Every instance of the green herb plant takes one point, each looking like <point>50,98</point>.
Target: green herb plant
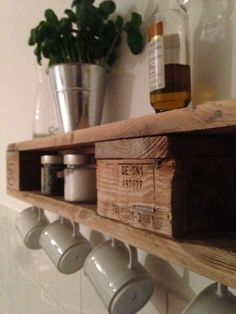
<point>86,34</point>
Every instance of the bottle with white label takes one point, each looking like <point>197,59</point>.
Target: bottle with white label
<point>169,62</point>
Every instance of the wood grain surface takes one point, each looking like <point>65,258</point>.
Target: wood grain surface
<point>171,146</point>
<point>178,198</point>
<point>213,117</point>
<point>213,258</point>
<point>13,170</point>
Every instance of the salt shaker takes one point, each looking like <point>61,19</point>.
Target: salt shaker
<point>80,179</point>
<point>52,181</point>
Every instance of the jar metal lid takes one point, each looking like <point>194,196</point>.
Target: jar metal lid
<point>76,160</point>
<point>51,159</point>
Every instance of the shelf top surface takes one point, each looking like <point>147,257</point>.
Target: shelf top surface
<point>209,118</point>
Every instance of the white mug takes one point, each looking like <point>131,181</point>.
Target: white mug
<point>216,299</point>
<point>30,223</point>
<point>65,245</point>
<point>119,279</point>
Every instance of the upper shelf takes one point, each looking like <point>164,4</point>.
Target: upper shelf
<point>213,117</point>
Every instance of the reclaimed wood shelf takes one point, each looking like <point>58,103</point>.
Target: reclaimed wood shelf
<point>212,258</point>
<point>215,259</point>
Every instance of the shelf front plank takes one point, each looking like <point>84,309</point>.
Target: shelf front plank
<point>171,146</point>
<point>214,259</point>
<point>217,117</point>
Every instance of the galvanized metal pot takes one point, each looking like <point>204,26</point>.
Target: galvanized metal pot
<point>80,92</point>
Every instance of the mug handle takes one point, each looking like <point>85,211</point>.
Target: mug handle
<point>133,254</point>
<point>75,226</point>
<point>40,213</point>
<point>222,290</point>
<point>76,231</point>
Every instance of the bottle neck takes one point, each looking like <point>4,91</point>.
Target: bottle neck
<point>184,4</point>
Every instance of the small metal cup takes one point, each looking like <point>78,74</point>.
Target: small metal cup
<point>80,91</point>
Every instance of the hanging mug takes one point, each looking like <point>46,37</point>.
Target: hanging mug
<point>119,279</point>
<point>215,298</point>
<point>30,223</point>
<point>65,245</point>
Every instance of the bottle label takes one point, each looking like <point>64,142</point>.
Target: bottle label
<point>156,63</point>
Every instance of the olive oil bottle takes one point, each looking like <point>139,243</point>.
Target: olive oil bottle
<point>169,61</point>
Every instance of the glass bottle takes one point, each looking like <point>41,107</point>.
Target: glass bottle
<point>45,120</point>
<point>169,61</point>
<point>212,47</point>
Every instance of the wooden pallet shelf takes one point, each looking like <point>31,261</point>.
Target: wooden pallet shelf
<point>214,258</point>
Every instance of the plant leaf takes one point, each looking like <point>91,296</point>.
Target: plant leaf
<point>37,52</point>
<point>134,23</point>
<point>119,23</point>
<point>135,41</point>
<point>71,15</point>
<point>85,34</point>
<point>136,19</point>
<point>78,2</point>
<point>31,40</point>
<point>51,17</point>
<point>106,8</point>
<point>85,14</point>
<point>65,26</point>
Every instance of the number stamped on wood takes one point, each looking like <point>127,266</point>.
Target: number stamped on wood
<point>131,176</point>
<point>138,215</point>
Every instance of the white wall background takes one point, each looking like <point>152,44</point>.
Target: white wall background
<point>41,288</point>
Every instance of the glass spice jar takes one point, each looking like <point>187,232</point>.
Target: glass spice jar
<point>80,179</point>
<point>52,175</point>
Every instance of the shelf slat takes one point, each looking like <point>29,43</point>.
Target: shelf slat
<point>213,117</point>
<point>215,259</point>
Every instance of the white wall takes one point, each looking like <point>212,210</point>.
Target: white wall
<point>42,289</point>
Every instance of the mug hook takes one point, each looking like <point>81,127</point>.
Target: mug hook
<point>75,226</point>
<point>40,213</point>
<point>133,255</point>
<point>221,289</point>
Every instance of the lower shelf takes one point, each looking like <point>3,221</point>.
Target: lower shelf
<point>215,259</point>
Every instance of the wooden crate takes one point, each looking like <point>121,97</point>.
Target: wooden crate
<point>178,186</point>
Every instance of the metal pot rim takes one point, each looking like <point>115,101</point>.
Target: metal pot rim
<point>76,64</point>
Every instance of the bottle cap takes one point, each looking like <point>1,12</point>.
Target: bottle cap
<point>156,27</point>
